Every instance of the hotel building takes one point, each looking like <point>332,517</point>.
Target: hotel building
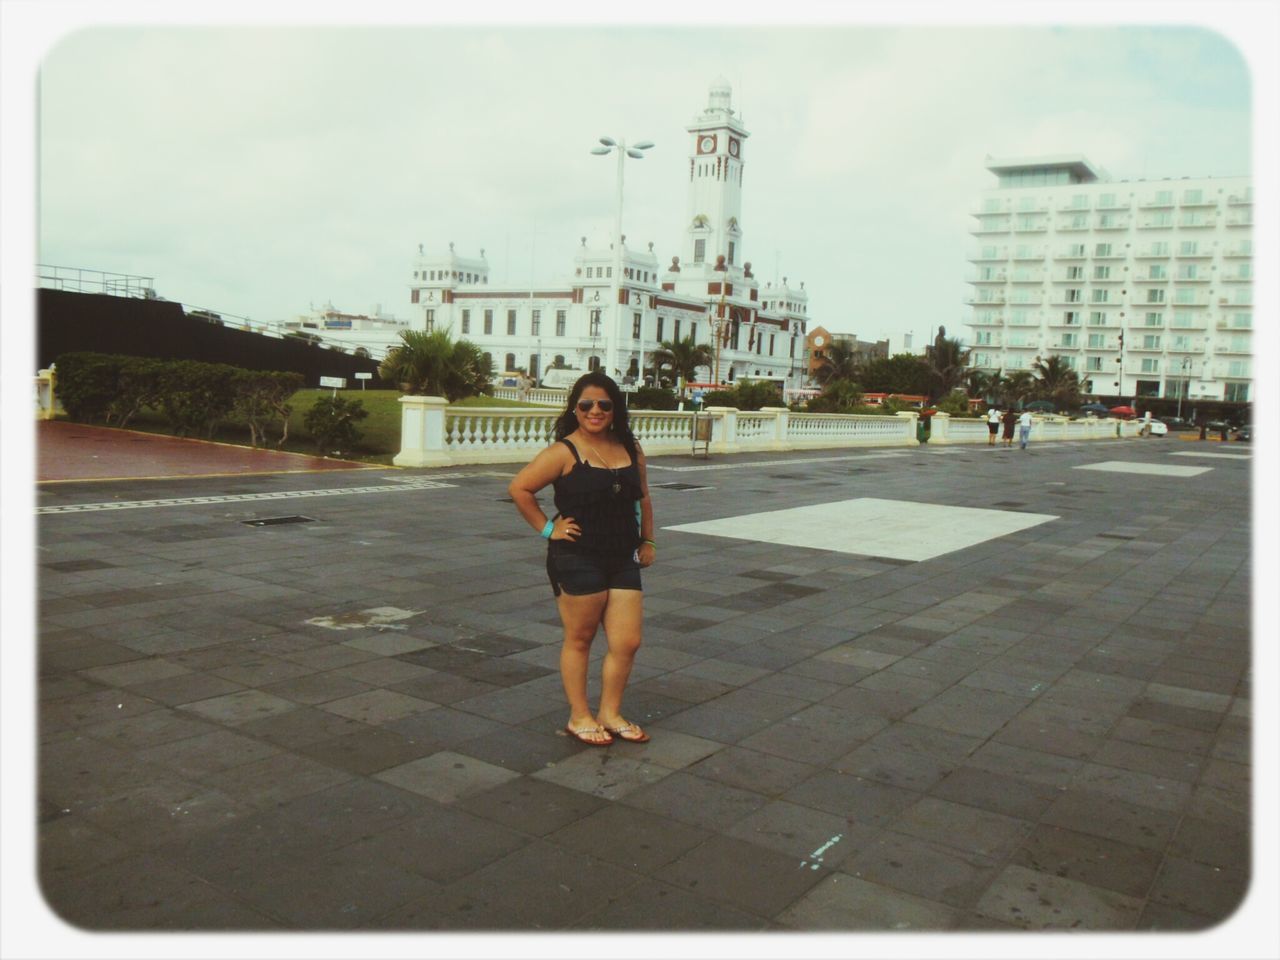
<point>1144,287</point>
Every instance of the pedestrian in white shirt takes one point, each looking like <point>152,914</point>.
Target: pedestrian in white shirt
<point>1024,428</point>
<point>993,426</point>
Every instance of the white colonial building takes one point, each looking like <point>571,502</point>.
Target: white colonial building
<point>1143,286</point>
<point>707,291</point>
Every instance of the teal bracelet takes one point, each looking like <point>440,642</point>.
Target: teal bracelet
<point>546,531</point>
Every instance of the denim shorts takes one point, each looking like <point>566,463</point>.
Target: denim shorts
<point>582,573</point>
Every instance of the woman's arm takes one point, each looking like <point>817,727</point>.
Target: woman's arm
<point>647,552</point>
<point>538,473</point>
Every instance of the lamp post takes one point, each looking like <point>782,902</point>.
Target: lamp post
<point>1182,384</point>
<point>607,145</point>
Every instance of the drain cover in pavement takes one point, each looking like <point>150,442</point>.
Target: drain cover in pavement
<point>274,521</point>
<point>681,486</point>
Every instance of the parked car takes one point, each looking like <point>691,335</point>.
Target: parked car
<point>1245,433</point>
<point>1177,423</point>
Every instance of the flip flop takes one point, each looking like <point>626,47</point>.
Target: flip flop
<point>628,727</point>
<point>578,735</point>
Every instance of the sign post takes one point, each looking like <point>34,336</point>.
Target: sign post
<point>362,377</point>
<point>337,383</point>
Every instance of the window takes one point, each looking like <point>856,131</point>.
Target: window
<point>1107,200</point>
<point>1020,317</point>
<point>1153,320</point>
<point>1098,318</point>
<point>1150,365</point>
<point>560,324</point>
<point>988,253</point>
<point>1155,296</point>
<point>1070,340</point>
<point>1097,341</point>
<point>608,272</point>
<point>1157,271</point>
<point>676,334</point>
<point>1238,368</point>
<point>660,325</point>
<point>1161,218</point>
<point>1236,392</point>
<point>1151,341</point>
<point>1188,271</point>
<point>1075,273</point>
<point>699,251</point>
<point>1241,321</point>
<point>535,327</point>
<point>1184,295</point>
<point>511,325</point>
<point>431,320</point>
<point>635,326</point>
<point>1188,248</point>
<point>511,362</point>
<point>1164,196</point>
<point>413,295</point>
<point>1093,364</point>
<point>1071,318</point>
<point>594,330</point>
<point>1102,273</point>
<point>488,322</point>
<point>1080,201</point>
<point>1100,296</point>
<point>1079,221</point>
<point>1192,196</point>
<point>730,251</point>
<point>1074,295</point>
<point>593,363</point>
<point>466,321</point>
<point>1181,344</point>
<point>1102,250</point>
<point>693,332</point>
<point>1075,250</point>
<point>771,337</point>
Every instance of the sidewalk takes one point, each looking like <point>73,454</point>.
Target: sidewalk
<point>351,720</point>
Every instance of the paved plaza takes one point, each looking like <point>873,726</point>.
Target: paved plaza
<point>934,689</point>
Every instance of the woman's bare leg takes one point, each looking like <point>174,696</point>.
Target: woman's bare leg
<point>581,617</point>
<point>623,617</point>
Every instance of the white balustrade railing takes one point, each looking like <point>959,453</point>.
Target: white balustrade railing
<point>436,434</point>
<point>542,396</point>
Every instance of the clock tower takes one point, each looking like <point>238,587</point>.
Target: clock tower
<point>714,227</point>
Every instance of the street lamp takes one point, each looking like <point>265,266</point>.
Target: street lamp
<point>608,145</point>
<point>1182,384</point>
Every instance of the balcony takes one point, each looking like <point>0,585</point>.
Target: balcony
<point>995,321</point>
<point>1238,251</point>
<point>1224,371</point>
<point>1194,322</point>
<point>1071,206</point>
<point>1114,205</point>
<point>1029,278</point>
<point>1057,298</point>
<point>1111,323</point>
<point>1115,279</point>
<point>1151,253</point>
<point>1032,344</point>
<point>1157,204</point>
<point>1064,322</point>
<point>990,227</point>
<point>1202,202</point>
<point>1240,200</point>
<point>1119,223</point>
<point>1138,347</point>
<point>1066,226</point>
<point>1196,254</point>
<point>1024,255</point>
<point>1151,279</point>
<point>1155,223</point>
<point>1108,256</point>
<point>1197,223</point>
<point>993,299</point>
<point>1066,277</point>
<point>1229,325</point>
<point>979,278</point>
<point>1138,370</point>
<point>1069,254</point>
<point>990,208</point>
<point>1189,304</point>
<point>1236,278</point>
<point>1197,279</point>
<point>1231,303</point>
<point>1240,220</point>
<point>977,256</point>
<point>1196,346</point>
<point>1039,227</point>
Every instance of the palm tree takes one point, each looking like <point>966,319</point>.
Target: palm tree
<point>682,358</point>
<point>434,363</point>
<point>1056,381</point>
<point>839,362</point>
<point>987,386</point>
<point>947,360</point>
<point>1016,387</point>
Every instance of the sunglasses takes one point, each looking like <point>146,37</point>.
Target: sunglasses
<point>586,405</point>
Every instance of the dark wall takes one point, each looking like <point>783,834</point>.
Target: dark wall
<point>97,323</point>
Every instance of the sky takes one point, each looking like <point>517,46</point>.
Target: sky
<point>258,171</point>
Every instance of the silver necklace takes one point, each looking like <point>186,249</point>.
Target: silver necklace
<point>617,484</point>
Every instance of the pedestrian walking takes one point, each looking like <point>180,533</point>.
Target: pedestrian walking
<point>1010,421</point>
<point>1024,428</point>
<point>598,541</point>
<point>523,385</point>
<point>993,426</point>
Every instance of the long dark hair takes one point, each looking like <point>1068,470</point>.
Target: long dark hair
<point>620,427</point>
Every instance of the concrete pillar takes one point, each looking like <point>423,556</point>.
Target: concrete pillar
<point>724,429</point>
<point>939,428</point>
<point>422,436</point>
<point>781,420</point>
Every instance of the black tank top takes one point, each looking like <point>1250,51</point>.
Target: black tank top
<point>607,518</point>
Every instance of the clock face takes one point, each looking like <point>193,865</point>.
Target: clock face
<point>819,340</point>
<point>707,144</point>
<point>733,146</point>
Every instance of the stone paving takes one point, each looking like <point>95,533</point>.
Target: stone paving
<point>352,721</point>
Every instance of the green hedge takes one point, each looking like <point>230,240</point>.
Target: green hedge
<point>194,397</point>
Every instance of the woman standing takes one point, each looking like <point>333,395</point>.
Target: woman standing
<point>600,537</point>
<point>1010,421</point>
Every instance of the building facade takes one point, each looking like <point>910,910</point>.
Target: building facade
<point>819,339</point>
<point>707,291</point>
<point>1144,287</point>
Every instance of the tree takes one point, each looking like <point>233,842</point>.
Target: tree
<point>263,395</point>
<point>947,360</point>
<point>839,362</point>
<point>901,373</point>
<point>332,422</point>
<point>433,363</point>
<point>683,357</point>
<point>1056,381</point>
<point>839,395</point>
<point>1016,388</point>
<point>987,386</point>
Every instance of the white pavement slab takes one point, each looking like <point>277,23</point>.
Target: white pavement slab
<point>1148,469</point>
<point>1220,456</point>
<point>867,526</point>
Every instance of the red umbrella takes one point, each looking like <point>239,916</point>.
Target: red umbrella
<point>1124,411</point>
